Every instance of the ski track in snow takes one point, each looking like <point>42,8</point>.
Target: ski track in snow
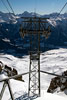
<point>54,61</point>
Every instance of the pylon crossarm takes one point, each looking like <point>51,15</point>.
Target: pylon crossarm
<point>35,21</point>
<point>34,18</point>
<point>25,31</point>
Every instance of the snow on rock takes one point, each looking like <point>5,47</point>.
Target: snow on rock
<point>52,22</point>
<point>58,82</point>
<point>6,40</point>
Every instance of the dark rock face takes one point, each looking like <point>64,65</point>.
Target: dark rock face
<point>58,82</point>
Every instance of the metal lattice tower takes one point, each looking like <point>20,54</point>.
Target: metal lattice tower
<point>34,27</point>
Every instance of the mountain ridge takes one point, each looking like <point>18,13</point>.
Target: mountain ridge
<point>10,16</point>
<point>9,30</point>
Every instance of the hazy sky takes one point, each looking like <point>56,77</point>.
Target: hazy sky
<point>40,6</point>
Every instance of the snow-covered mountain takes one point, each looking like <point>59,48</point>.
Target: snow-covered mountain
<point>10,17</point>
<point>7,17</point>
<point>32,14</point>
<point>12,47</point>
<point>53,61</point>
<point>9,30</point>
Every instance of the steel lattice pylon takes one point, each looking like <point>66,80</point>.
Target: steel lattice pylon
<point>34,27</point>
<point>34,77</point>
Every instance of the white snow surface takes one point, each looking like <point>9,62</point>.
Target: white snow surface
<point>54,61</point>
<point>49,96</point>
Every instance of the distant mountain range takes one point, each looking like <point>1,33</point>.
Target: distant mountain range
<point>9,30</point>
<point>6,17</point>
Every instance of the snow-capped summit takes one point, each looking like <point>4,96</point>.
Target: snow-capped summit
<point>28,14</point>
<point>54,18</point>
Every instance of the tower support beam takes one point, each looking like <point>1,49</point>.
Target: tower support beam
<point>34,27</point>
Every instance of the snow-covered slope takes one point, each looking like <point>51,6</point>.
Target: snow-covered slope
<point>10,17</point>
<point>48,96</point>
<point>7,17</point>
<point>54,61</point>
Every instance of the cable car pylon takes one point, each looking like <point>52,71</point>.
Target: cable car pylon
<point>34,27</point>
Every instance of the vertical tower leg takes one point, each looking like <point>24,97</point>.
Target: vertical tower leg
<point>11,94</point>
<point>2,91</point>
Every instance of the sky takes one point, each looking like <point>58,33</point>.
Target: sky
<point>38,6</point>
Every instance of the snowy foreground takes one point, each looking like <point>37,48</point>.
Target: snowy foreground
<point>54,61</point>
